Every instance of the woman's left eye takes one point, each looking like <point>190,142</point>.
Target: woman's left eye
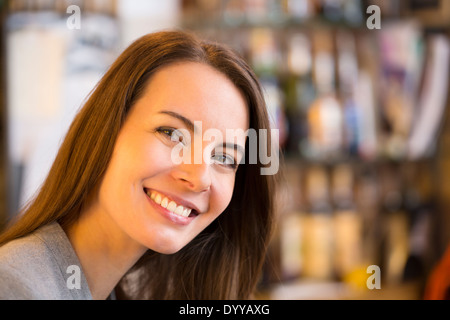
<point>225,160</point>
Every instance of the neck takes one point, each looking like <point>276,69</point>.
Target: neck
<point>104,251</point>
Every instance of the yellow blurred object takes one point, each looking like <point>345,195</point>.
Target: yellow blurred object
<point>357,278</point>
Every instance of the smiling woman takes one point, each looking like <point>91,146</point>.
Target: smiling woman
<point>138,223</point>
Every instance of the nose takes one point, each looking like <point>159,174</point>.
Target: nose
<point>195,177</point>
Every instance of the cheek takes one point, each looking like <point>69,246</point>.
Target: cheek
<point>146,159</point>
<point>130,164</point>
<point>223,194</point>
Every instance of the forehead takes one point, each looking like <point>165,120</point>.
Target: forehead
<point>199,92</point>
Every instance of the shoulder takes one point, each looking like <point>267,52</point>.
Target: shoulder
<point>20,261</point>
<point>34,266</point>
<point>19,253</point>
<point>24,263</point>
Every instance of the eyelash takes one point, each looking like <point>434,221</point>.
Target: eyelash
<point>232,165</point>
<point>168,132</point>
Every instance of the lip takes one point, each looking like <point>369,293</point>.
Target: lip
<point>173,217</point>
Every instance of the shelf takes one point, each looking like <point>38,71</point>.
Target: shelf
<point>319,290</point>
<point>278,23</point>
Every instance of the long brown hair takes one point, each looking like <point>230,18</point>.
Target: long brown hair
<point>224,261</point>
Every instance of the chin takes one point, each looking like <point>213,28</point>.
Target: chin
<point>168,249</point>
<point>166,246</point>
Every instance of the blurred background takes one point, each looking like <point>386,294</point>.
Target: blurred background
<point>361,104</point>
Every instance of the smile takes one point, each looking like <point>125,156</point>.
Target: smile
<point>170,205</point>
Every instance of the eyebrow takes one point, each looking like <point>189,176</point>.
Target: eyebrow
<point>190,125</point>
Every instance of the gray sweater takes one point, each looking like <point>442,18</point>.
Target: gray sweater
<point>42,266</point>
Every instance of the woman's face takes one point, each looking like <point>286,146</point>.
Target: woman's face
<point>150,195</point>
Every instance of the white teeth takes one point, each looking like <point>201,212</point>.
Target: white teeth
<point>170,205</point>
<point>158,199</point>
<point>186,212</point>
<point>179,210</point>
<point>164,202</point>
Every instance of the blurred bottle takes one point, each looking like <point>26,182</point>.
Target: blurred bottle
<point>348,79</point>
<point>332,9</point>
<point>299,88</point>
<point>234,12</point>
<point>325,129</point>
<point>401,61</point>
<point>419,191</point>
<point>367,97</point>
<point>395,247</point>
<point>264,51</point>
<point>347,222</point>
<point>291,224</point>
<point>318,227</point>
<point>299,10</point>
<point>325,117</point>
<point>257,11</point>
<point>273,95</point>
<point>342,11</point>
<point>368,203</point>
<point>265,59</point>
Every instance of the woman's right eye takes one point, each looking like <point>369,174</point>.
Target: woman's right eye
<point>172,134</point>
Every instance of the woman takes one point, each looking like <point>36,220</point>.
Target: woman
<point>117,205</point>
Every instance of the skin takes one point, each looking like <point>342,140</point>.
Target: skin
<point>120,221</point>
